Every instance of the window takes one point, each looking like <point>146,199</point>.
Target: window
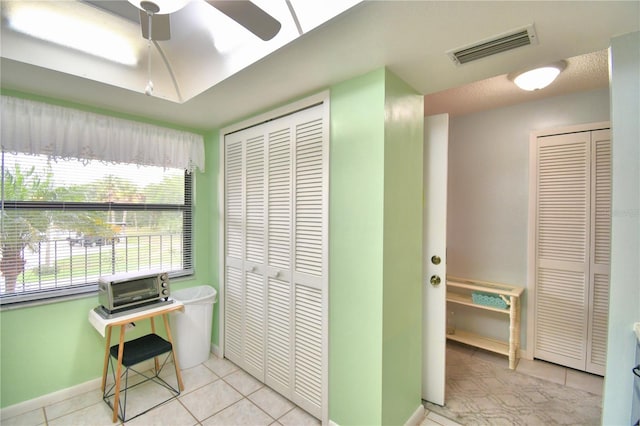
<point>64,223</point>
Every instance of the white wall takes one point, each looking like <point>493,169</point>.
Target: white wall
<point>624,296</point>
<point>489,189</point>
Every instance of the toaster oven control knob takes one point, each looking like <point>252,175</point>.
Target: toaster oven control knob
<point>164,284</point>
<point>164,277</point>
<point>165,292</point>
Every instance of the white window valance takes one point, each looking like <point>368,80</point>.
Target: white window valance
<point>43,129</point>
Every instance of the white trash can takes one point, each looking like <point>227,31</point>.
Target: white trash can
<point>192,328</point>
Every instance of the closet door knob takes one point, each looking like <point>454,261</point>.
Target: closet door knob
<point>435,280</point>
<point>435,259</point>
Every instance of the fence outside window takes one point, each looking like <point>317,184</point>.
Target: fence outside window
<point>66,223</point>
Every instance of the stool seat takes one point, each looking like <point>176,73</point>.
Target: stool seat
<point>141,349</point>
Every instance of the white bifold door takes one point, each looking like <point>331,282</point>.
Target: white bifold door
<point>572,250</point>
<point>276,245</point>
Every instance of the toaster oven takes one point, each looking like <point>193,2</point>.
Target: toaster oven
<point>128,291</point>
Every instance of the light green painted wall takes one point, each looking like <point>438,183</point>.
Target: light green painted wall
<point>375,210</point>
<point>356,201</point>
<point>375,251</point>
<point>51,347</point>
<point>402,270</point>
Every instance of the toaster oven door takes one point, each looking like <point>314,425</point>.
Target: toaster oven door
<point>134,292</point>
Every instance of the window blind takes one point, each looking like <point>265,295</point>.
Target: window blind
<point>67,218</point>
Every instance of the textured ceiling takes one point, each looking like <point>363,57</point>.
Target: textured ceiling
<point>585,72</point>
<point>410,38</point>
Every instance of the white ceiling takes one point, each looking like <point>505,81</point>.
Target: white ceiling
<point>409,37</point>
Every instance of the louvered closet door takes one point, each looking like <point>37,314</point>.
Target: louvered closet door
<point>280,291</point>
<point>309,254</point>
<point>245,250</point>
<point>600,250</point>
<point>255,290</point>
<point>234,249</point>
<point>276,309</point>
<point>563,206</point>
<point>573,249</point>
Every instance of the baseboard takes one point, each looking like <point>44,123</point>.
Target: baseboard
<point>63,394</point>
<point>215,349</point>
<point>417,417</point>
<point>50,398</point>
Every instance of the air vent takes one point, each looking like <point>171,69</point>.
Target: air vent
<point>501,43</point>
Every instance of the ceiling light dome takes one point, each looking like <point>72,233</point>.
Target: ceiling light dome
<point>539,78</point>
<point>161,7</point>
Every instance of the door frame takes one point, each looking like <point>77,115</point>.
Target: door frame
<point>531,231</point>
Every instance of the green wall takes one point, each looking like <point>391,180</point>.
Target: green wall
<point>355,250</point>
<point>375,250</point>
<point>375,268</point>
<point>51,347</point>
<point>402,291</point>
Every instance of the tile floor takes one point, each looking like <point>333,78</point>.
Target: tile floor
<point>217,392</point>
<point>550,375</point>
<point>544,370</point>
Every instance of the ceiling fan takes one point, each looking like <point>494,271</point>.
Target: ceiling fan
<point>155,15</point>
<point>155,23</point>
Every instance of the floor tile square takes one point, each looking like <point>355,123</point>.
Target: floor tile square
<point>298,417</point>
<point>173,413</point>
<point>210,399</point>
<point>30,418</point>
<point>243,382</point>
<point>220,366</point>
<point>272,402</point>
<point>242,413</point>
<point>194,377</point>
<point>76,403</point>
<point>98,414</point>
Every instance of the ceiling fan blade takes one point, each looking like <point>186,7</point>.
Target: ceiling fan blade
<point>160,26</point>
<point>249,16</point>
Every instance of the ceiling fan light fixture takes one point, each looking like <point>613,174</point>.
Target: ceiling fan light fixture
<point>160,7</point>
<point>539,78</point>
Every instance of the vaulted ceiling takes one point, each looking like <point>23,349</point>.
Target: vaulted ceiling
<point>212,86</point>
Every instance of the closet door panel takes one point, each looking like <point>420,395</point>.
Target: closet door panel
<point>280,293</point>
<point>233,314</point>
<point>309,198</point>
<point>600,250</point>
<point>255,199</point>
<point>279,335</point>
<point>255,293</point>
<point>234,208</point>
<point>562,248</point>
<point>234,249</point>
<point>309,259</point>
<point>254,325</point>
<point>308,349</point>
<point>597,354</point>
<point>561,317</point>
<point>279,192</point>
